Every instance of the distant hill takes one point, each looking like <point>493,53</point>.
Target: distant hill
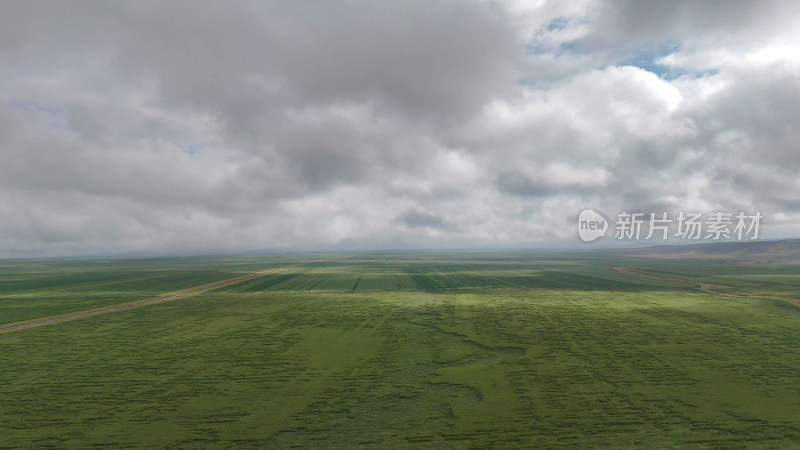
<point>779,250</point>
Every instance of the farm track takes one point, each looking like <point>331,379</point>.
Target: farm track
<point>709,288</point>
<point>190,292</point>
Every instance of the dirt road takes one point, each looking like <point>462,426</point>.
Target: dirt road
<point>711,288</point>
<point>139,303</point>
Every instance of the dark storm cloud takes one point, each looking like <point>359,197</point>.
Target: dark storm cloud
<point>206,126</point>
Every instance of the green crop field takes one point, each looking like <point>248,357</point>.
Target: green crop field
<point>37,288</point>
<point>425,349</point>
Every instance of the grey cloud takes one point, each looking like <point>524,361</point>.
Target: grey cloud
<point>322,169</point>
<point>420,219</point>
<point>613,32</point>
<point>515,183</point>
<point>658,20</point>
<point>216,126</point>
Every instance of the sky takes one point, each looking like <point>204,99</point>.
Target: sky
<point>144,127</point>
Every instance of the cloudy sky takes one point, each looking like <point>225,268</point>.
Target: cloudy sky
<point>184,127</point>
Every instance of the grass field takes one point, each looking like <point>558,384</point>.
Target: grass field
<point>404,349</point>
<point>37,288</point>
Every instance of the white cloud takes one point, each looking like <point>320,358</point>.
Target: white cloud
<point>194,127</point>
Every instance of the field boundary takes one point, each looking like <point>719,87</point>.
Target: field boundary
<point>709,288</point>
<point>168,296</point>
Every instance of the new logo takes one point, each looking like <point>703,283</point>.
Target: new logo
<point>591,225</point>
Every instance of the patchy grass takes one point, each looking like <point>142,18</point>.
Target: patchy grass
<point>432,350</point>
<point>514,368</point>
<point>41,288</point>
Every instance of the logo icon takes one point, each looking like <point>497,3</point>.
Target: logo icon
<point>591,225</point>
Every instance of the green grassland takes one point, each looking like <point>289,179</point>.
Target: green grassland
<point>448,272</point>
<point>436,349</point>
<point>38,288</point>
